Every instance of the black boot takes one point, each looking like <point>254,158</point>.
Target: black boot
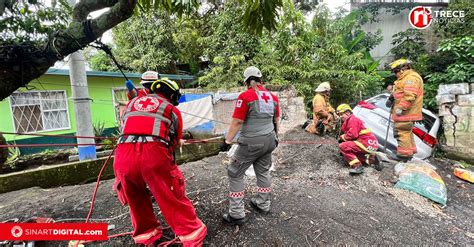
<point>253,203</point>
<point>356,170</point>
<point>321,128</point>
<point>233,221</point>
<point>375,161</point>
<point>397,157</point>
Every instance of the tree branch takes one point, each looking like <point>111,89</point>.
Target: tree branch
<point>84,7</point>
<point>21,63</point>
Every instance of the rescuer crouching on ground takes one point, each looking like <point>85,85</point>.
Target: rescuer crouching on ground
<point>357,145</point>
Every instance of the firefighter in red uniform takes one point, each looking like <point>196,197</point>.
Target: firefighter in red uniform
<point>147,79</point>
<point>357,142</point>
<point>145,156</point>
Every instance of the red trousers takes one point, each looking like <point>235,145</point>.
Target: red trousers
<point>353,154</point>
<point>137,165</point>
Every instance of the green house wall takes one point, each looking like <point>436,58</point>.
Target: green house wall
<point>102,106</point>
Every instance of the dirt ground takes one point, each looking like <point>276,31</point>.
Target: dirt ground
<point>315,202</point>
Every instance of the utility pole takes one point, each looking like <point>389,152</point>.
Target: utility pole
<point>81,103</point>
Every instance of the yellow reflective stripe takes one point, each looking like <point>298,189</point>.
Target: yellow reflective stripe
<point>364,131</point>
<point>409,117</point>
<point>405,104</point>
<point>147,235</point>
<point>192,235</point>
<point>363,147</point>
<point>354,161</point>
<point>398,95</point>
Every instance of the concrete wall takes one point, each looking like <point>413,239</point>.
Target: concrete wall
<point>391,24</point>
<point>87,171</point>
<point>456,106</point>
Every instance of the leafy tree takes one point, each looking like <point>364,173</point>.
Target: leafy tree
<point>458,29</point>
<point>461,69</point>
<point>22,62</point>
<point>408,44</point>
<point>98,60</point>
<point>25,20</point>
<point>145,42</point>
<point>304,54</point>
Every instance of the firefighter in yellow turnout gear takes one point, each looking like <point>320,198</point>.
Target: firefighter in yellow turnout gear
<point>407,102</point>
<point>323,114</point>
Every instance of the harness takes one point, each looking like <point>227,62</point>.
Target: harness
<point>141,138</point>
<point>171,132</point>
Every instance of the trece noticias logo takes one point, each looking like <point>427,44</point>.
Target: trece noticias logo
<point>421,17</point>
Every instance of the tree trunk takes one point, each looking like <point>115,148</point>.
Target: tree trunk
<point>21,63</point>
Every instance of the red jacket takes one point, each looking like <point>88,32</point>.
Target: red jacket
<point>355,130</point>
<point>153,115</point>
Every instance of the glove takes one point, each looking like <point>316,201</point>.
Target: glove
<point>389,102</point>
<point>399,111</point>
<point>225,146</point>
<point>340,140</point>
<point>129,85</point>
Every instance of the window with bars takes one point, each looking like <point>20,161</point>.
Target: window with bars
<point>120,101</point>
<point>35,111</point>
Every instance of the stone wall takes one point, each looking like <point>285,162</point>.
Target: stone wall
<point>292,109</point>
<point>456,107</point>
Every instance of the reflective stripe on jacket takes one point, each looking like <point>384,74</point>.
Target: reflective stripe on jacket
<point>408,94</point>
<point>152,115</point>
<point>355,130</point>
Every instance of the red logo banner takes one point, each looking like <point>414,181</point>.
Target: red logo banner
<point>53,231</point>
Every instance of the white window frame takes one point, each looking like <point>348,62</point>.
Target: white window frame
<point>42,111</point>
<point>115,103</point>
<point>114,100</point>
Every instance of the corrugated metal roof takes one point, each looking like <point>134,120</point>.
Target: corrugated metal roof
<point>118,74</point>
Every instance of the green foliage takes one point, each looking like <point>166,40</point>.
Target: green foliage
<point>459,29</point>
<point>408,44</point>
<point>304,54</point>
<point>261,14</point>
<point>32,20</point>
<point>99,128</point>
<point>99,60</point>
<point>256,15</point>
<point>227,37</point>
<point>458,66</point>
<point>145,42</point>
<point>3,151</point>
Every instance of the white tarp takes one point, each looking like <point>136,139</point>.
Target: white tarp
<point>224,96</point>
<point>196,112</point>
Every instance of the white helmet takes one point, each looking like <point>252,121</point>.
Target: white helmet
<point>149,77</point>
<point>252,71</point>
<point>323,87</point>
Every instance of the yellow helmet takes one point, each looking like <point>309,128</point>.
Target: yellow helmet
<point>399,63</point>
<point>174,95</point>
<point>343,108</point>
<point>165,81</point>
